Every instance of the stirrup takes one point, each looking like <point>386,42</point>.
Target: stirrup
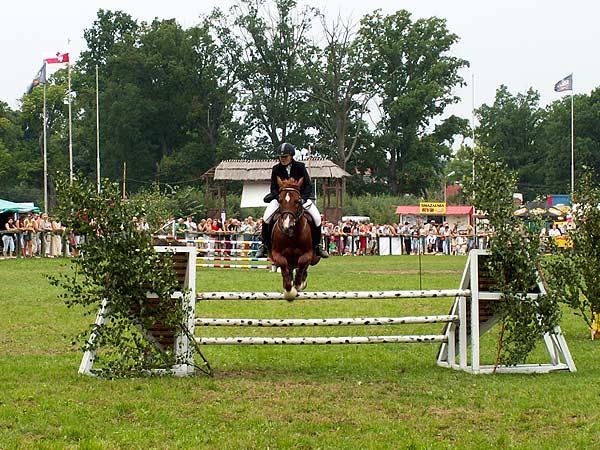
<point>321,252</point>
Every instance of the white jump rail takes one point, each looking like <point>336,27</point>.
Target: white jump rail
<point>321,340</point>
<point>333,295</point>
<point>363,321</point>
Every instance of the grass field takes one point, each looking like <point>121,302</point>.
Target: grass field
<point>304,397</point>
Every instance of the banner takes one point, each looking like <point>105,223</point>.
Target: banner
<point>566,84</point>
<point>58,58</point>
<point>40,78</point>
<point>433,208</point>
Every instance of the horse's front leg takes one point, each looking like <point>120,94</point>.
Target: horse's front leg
<point>290,291</point>
<point>302,272</point>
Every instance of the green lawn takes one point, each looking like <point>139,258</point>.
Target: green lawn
<point>367,397</point>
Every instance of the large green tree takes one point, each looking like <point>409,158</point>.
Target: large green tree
<point>411,67</point>
<point>336,78</point>
<point>166,97</point>
<point>275,41</point>
<point>555,141</point>
<point>511,129</point>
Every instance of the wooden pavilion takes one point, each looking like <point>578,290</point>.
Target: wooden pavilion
<point>256,176</point>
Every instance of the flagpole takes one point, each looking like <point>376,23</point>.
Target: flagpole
<point>473,126</point>
<point>97,135</point>
<point>70,130</point>
<point>45,154</point>
<point>572,150</point>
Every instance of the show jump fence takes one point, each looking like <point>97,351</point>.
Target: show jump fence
<point>469,318</point>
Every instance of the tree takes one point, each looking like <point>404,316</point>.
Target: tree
<point>511,129</point>
<point>273,78</point>
<point>410,68</point>
<point>214,132</point>
<point>336,83</point>
<point>167,97</point>
<point>555,140</point>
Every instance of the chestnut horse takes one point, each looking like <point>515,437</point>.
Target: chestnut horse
<point>292,248</point>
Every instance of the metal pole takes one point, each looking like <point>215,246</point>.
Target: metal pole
<point>572,150</point>
<point>124,177</point>
<point>445,188</point>
<point>45,155</point>
<point>97,135</point>
<point>473,126</point>
<point>70,131</point>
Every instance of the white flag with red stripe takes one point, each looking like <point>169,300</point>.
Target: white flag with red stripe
<point>58,58</point>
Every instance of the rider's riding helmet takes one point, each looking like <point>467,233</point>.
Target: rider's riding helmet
<point>286,149</point>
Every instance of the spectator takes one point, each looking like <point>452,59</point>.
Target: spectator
<point>8,238</point>
<point>56,241</point>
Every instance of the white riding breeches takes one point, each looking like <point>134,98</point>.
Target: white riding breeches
<point>309,207</point>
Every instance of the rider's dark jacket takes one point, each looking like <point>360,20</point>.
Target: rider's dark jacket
<point>298,170</point>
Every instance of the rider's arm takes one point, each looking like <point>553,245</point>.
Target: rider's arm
<point>307,189</point>
<point>274,185</point>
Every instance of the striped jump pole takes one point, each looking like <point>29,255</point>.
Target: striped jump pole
<point>224,250</point>
<point>234,266</point>
<point>221,241</point>
<point>227,258</point>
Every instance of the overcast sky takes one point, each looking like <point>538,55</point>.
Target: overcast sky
<point>520,43</point>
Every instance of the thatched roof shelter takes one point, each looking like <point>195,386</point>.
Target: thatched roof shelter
<point>260,170</point>
<point>256,175</point>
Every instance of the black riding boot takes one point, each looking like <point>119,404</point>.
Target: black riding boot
<point>265,246</point>
<point>316,238</point>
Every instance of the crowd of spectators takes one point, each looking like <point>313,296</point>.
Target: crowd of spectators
<point>33,235</point>
<point>345,237</point>
<point>37,235</point>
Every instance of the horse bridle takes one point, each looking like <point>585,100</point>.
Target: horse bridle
<point>295,214</point>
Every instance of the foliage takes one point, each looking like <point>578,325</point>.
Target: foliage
<point>514,262</point>
<point>574,272</point>
<point>536,141</point>
<point>159,203</point>
<point>511,128</point>
<point>176,101</point>
<point>119,265</point>
<point>381,209</point>
<point>274,38</point>
<point>337,86</point>
<point>413,74</point>
<point>555,139</point>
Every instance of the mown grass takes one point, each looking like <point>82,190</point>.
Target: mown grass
<point>367,397</point>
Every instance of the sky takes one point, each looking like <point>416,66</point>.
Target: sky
<point>521,44</point>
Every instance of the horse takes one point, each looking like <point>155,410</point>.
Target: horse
<point>292,247</point>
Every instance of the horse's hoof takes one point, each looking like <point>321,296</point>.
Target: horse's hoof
<point>301,287</point>
<point>291,294</point>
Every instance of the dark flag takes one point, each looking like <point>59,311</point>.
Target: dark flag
<point>566,84</point>
<point>40,78</point>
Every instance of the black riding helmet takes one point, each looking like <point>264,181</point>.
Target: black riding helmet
<point>286,149</point>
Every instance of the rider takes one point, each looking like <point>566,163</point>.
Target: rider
<point>290,168</point>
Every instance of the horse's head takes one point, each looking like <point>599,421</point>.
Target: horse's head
<point>290,203</point>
